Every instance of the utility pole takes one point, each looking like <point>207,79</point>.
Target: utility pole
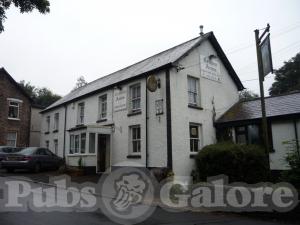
<point>261,86</point>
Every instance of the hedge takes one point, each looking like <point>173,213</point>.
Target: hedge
<point>241,163</point>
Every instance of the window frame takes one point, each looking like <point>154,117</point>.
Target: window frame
<point>14,106</point>
<point>135,141</point>
<point>47,144</point>
<point>199,138</point>
<point>195,92</point>
<point>137,98</point>
<point>15,140</point>
<point>55,143</point>
<point>80,113</point>
<point>75,147</point>
<point>48,121</point>
<point>56,122</point>
<point>102,101</point>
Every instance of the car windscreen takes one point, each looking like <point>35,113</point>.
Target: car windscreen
<point>28,151</point>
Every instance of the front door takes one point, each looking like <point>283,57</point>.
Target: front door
<point>102,148</point>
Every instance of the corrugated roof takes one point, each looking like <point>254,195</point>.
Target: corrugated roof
<point>147,65</point>
<point>275,106</point>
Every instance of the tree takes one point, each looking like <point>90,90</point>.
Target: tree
<point>43,6</point>
<point>247,95</point>
<point>287,77</point>
<point>40,96</point>
<point>80,83</point>
<point>45,97</point>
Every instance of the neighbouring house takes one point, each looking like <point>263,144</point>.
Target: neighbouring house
<point>158,112</point>
<point>35,126</point>
<point>15,112</point>
<point>242,124</point>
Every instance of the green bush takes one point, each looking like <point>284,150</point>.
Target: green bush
<point>243,163</point>
<point>293,159</point>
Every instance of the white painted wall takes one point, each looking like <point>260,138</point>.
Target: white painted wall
<point>224,93</point>
<point>52,136</point>
<point>281,131</point>
<point>35,127</point>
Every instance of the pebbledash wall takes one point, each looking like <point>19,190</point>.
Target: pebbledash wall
<point>216,97</point>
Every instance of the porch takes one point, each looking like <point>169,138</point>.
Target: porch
<point>90,146</point>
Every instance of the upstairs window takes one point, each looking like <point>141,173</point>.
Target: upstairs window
<point>195,143</point>
<point>48,123</point>
<point>193,91</point>
<point>135,97</point>
<point>135,139</point>
<point>103,107</point>
<point>11,139</point>
<point>80,115</point>
<point>56,121</point>
<point>13,109</point>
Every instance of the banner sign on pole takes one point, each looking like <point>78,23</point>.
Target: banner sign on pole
<point>266,56</point>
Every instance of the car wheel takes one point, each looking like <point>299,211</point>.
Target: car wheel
<point>37,168</point>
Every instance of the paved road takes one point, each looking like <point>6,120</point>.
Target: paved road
<point>160,216</point>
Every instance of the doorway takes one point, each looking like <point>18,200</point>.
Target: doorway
<point>103,153</point>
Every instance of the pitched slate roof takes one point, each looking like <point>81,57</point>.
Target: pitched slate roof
<point>155,62</point>
<point>3,72</point>
<point>281,105</point>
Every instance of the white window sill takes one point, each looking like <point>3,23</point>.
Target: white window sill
<point>81,154</point>
<point>10,118</point>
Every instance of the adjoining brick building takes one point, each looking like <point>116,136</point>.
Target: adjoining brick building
<point>15,112</point>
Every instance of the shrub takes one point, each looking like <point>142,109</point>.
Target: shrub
<point>244,163</point>
<point>293,159</point>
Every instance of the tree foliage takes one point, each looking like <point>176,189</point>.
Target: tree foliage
<point>80,83</point>
<point>247,95</point>
<point>40,96</point>
<point>43,6</point>
<point>287,78</point>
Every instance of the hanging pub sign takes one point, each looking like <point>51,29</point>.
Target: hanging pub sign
<point>266,56</point>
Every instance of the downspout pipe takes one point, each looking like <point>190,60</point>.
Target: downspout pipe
<point>65,125</point>
<point>146,94</point>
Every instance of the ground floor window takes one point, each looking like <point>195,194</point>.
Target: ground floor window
<point>47,144</point>
<point>195,141</point>
<point>135,133</point>
<point>248,134</point>
<point>11,139</point>
<point>55,146</point>
<point>77,143</point>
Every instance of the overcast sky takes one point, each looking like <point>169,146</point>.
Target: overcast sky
<point>93,38</point>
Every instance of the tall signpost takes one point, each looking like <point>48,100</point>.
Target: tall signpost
<point>264,60</point>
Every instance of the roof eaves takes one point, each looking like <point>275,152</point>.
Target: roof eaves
<point>16,84</point>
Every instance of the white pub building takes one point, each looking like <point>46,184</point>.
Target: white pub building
<point>157,113</point>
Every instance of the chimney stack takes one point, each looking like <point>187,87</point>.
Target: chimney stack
<point>201,30</point>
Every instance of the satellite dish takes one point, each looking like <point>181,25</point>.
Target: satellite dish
<point>152,83</point>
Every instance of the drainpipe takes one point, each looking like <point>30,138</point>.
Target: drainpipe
<point>146,113</point>
<point>296,135</point>
<point>65,125</point>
